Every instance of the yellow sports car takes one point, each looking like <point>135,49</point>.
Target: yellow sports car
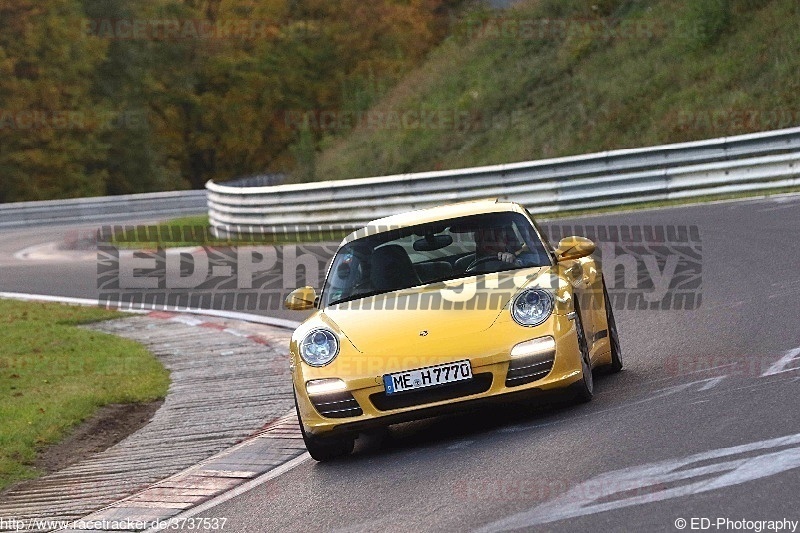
<point>428,311</point>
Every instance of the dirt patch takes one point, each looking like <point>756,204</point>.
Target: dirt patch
<point>108,426</point>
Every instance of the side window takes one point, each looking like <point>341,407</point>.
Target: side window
<point>544,252</point>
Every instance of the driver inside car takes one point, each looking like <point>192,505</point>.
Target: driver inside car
<point>494,243</point>
<point>499,248</point>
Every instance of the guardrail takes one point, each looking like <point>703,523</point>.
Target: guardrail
<point>104,209</point>
<point>754,162</point>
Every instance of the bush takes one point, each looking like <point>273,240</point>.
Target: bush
<point>705,22</point>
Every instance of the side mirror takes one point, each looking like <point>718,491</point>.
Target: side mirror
<point>574,248</point>
<point>301,299</point>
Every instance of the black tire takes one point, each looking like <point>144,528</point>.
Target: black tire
<point>324,448</point>
<point>613,335</point>
<point>584,389</point>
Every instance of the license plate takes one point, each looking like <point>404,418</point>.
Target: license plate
<point>427,377</point>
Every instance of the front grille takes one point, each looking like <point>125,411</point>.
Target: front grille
<point>386,402</point>
<point>528,369</point>
<point>336,405</point>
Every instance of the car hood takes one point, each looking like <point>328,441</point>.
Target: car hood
<point>412,318</point>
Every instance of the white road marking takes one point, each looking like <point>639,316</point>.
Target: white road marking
<point>527,427</point>
<point>235,332</point>
<point>188,320</point>
<point>712,383</point>
<point>60,299</point>
<point>709,383</point>
<point>460,445</point>
<point>780,366</point>
<point>238,491</point>
<point>655,482</point>
<point>709,369</point>
<point>146,308</point>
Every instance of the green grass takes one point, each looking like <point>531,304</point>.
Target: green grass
<point>197,220</point>
<point>670,71</point>
<point>193,231</point>
<point>54,375</point>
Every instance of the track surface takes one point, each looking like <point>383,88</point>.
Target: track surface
<point>651,448</point>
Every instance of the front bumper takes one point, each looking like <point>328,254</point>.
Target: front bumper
<point>365,405</point>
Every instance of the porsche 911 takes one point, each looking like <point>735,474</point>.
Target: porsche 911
<point>436,310</point>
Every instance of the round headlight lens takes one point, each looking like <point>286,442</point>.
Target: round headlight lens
<point>532,307</point>
<point>319,347</point>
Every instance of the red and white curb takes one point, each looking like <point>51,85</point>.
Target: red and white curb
<point>205,366</point>
<point>275,450</point>
<point>149,308</point>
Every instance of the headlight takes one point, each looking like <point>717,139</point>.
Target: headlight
<point>532,307</point>
<point>319,347</point>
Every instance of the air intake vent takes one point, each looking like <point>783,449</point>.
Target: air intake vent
<point>336,405</point>
<point>528,369</point>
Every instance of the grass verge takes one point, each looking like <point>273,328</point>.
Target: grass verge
<point>54,375</point>
<point>195,231</point>
<point>549,78</point>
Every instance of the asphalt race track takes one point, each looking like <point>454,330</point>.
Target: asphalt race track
<point>703,423</point>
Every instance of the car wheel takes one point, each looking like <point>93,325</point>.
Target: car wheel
<point>613,335</point>
<point>324,448</point>
<point>584,389</point>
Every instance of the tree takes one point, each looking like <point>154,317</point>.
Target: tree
<point>49,142</point>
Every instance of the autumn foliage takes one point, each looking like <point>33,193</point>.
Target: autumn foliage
<point>120,96</point>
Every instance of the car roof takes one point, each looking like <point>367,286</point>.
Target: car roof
<point>434,214</point>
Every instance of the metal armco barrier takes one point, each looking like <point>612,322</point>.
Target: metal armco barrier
<point>104,209</point>
<point>754,162</point>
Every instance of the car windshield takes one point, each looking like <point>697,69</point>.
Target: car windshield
<point>428,253</point>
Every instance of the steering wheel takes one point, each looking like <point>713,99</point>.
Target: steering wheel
<point>479,261</point>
